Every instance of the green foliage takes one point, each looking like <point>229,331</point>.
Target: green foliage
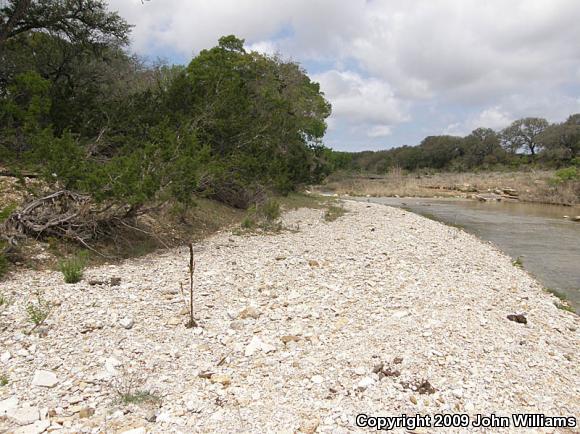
<point>4,264</point>
<point>333,212</point>
<point>264,216</point>
<point>270,210</point>
<point>38,312</point>
<point>72,268</point>
<point>3,300</point>
<point>568,174</point>
<point>564,303</point>
<point>6,211</point>
<point>248,222</point>
<point>138,397</point>
<point>518,262</point>
<point>3,380</point>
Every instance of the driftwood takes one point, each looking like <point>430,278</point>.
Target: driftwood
<point>65,215</point>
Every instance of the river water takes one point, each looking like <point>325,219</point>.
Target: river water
<point>548,244</point>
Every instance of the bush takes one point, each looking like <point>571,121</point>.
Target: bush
<point>270,210</point>
<point>568,174</point>
<point>248,222</point>
<point>72,269</point>
<point>37,313</point>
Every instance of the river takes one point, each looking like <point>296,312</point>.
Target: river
<point>547,244</point>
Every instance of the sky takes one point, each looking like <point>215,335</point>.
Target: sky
<point>395,71</point>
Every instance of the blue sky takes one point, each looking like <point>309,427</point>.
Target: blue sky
<point>395,71</point>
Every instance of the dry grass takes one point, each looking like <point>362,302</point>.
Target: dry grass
<point>532,186</point>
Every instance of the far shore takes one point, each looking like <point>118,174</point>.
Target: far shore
<point>538,186</point>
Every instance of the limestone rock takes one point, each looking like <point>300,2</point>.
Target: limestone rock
<point>24,415</point>
<point>249,312</point>
<point>126,323</point>
<point>44,379</point>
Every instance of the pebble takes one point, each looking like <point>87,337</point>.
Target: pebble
<point>317,379</point>
<point>126,323</point>
<point>306,350</point>
<point>5,356</point>
<point>365,383</point>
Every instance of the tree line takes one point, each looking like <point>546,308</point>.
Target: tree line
<point>526,142</point>
<point>80,110</point>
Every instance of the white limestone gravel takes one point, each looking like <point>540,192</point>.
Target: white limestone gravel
<point>322,306</point>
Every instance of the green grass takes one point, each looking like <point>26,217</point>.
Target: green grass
<point>72,268</point>
<point>333,212</point>
<point>3,300</point>
<point>564,303</point>
<point>38,313</point>
<point>138,397</point>
<point>4,264</point>
<point>270,210</point>
<point>6,211</point>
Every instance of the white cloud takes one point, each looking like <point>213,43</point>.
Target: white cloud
<point>494,117</point>
<point>380,131</point>
<point>361,101</point>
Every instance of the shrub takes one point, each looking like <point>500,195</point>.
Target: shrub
<point>567,174</point>
<point>248,222</point>
<point>138,397</point>
<point>3,380</point>
<point>270,210</point>
<point>38,312</point>
<point>333,212</point>
<point>72,268</point>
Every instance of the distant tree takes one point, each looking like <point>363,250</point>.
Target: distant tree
<point>524,133</point>
<point>482,147</point>
<point>562,141</point>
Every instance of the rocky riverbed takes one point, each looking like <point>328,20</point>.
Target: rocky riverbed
<point>380,312</point>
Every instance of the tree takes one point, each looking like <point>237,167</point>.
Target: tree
<point>78,21</point>
<point>482,147</point>
<point>261,117</point>
<point>524,133</point>
<point>562,141</point>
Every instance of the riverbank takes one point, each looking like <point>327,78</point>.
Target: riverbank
<point>535,186</point>
<point>380,312</point>
<point>535,236</point>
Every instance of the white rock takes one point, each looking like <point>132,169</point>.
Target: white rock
<point>257,344</point>
<point>140,430</point>
<point>37,427</point>
<point>5,356</point>
<point>365,383</point>
<point>317,379</point>
<point>458,393</point>
<point>8,404</point>
<point>400,314</point>
<point>44,379</point>
<point>111,365</point>
<point>253,346</point>
<point>24,415</point>
<point>126,322</point>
